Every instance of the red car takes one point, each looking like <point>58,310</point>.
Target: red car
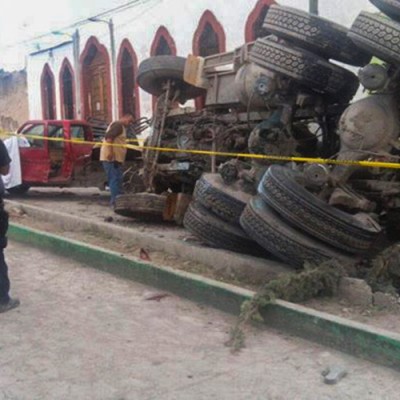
<point>61,163</point>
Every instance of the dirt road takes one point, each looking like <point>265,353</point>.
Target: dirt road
<point>81,334</point>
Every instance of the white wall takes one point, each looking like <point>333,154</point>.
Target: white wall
<point>35,66</point>
<point>181,18</point>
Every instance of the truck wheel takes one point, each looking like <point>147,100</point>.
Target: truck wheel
<point>228,202</point>
<point>216,232</point>
<point>269,230</point>
<point>389,7</point>
<point>378,36</point>
<point>19,190</point>
<point>145,206</point>
<point>282,190</point>
<point>155,71</point>
<point>305,67</point>
<point>316,34</point>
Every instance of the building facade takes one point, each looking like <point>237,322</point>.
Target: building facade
<point>13,99</point>
<point>87,76</point>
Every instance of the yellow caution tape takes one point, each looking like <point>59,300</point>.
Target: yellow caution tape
<point>267,157</point>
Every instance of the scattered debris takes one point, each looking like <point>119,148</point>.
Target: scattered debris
<point>314,281</point>
<point>157,297</point>
<point>386,300</point>
<point>355,291</point>
<point>17,212</point>
<point>333,375</point>
<point>144,255</point>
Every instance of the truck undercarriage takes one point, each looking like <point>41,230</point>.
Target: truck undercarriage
<point>282,96</point>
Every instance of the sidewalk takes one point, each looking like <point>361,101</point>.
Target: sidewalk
<point>82,334</point>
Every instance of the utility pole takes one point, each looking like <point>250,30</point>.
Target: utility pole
<point>114,100</point>
<point>314,7</point>
<point>115,107</point>
<point>75,37</point>
<point>77,67</point>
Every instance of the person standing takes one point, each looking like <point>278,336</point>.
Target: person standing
<point>113,153</point>
<point>6,302</point>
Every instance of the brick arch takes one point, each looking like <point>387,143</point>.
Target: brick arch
<point>92,43</point>
<point>163,33</point>
<point>254,18</point>
<point>48,95</point>
<point>209,18</point>
<point>127,46</point>
<point>67,65</point>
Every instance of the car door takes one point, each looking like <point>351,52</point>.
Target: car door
<point>81,146</point>
<point>35,160</point>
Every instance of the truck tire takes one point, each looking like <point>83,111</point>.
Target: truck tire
<point>154,71</point>
<point>314,33</point>
<point>216,232</point>
<point>281,190</point>
<point>389,7</point>
<point>305,67</point>
<point>146,206</point>
<point>228,202</point>
<point>270,231</point>
<point>378,36</point>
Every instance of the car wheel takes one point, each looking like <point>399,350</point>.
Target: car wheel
<point>155,71</point>
<point>141,205</point>
<point>269,230</point>
<point>378,36</point>
<point>389,7</point>
<point>305,67</point>
<point>226,201</point>
<point>19,190</point>
<point>314,33</point>
<point>216,232</point>
<point>282,190</point>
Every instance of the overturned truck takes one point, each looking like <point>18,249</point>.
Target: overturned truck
<point>284,95</point>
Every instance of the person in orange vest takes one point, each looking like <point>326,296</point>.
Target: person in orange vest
<point>113,153</point>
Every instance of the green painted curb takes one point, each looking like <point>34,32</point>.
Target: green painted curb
<point>357,339</point>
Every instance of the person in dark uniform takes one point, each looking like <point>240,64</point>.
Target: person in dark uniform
<point>6,302</point>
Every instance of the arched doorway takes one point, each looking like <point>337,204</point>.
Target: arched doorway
<point>48,93</point>
<point>67,90</point>
<point>96,83</point>
<point>128,91</point>
<point>254,25</point>
<point>163,45</point>
<point>208,39</point>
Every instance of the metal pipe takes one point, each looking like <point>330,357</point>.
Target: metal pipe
<point>114,70</point>
<point>314,7</point>
<point>214,149</point>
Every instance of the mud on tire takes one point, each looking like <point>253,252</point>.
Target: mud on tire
<point>269,230</point>
<point>314,33</point>
<point>281,190</point>
<point>378,36</point>
<point>216,232</point>
<point>228,202</point>
<point>305,67</point>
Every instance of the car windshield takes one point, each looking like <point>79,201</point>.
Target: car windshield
<point>34,134</point>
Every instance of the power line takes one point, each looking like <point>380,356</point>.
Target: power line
<point>81,22</point>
